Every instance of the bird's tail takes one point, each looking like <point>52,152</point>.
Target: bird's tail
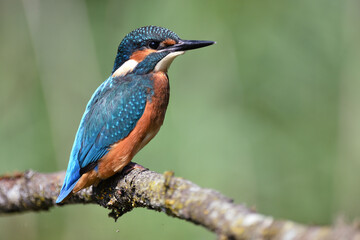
<point>71,178</point>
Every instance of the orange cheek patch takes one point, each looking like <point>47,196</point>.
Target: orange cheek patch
<point>141,54</point>
<point>168,42</point>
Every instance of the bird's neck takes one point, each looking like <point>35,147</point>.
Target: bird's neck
<point>161,89</point>
<point>146,61</point>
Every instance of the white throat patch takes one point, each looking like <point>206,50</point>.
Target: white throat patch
<point>164,63</point>
<point>126,67</point>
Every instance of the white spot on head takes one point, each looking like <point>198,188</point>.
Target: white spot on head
<point>164,63</point>
<point>125,68</point>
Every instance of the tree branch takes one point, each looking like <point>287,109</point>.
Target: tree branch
<point>177,197</point>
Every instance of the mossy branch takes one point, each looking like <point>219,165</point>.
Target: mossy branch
<point>177,197</point>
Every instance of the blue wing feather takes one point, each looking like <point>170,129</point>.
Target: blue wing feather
<point>110,116</point>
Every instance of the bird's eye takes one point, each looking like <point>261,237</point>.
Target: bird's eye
<point>154,44</point>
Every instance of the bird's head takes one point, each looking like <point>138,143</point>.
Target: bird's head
<point>149,49</point>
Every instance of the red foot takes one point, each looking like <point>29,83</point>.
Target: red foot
<point>131,166</point>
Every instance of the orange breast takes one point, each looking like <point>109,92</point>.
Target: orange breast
<point>122,152</point>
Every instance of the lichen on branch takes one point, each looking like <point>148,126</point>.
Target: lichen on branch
<point>177,197</point>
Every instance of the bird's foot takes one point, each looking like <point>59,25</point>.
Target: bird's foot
<point>131,166</point>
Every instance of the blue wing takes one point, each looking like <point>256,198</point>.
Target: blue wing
<point>110,116</point>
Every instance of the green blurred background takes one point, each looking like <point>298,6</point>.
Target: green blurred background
<point>268,116</point>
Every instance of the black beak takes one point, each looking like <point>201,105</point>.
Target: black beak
<point>184,45</point>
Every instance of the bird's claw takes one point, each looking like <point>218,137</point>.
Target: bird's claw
<point>131,166</point>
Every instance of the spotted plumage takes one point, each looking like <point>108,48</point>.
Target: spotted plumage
<point>127,110</point>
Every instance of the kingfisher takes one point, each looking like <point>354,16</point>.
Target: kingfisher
<point>127,110</point>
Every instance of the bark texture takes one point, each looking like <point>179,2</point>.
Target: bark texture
<point>177,197</point>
